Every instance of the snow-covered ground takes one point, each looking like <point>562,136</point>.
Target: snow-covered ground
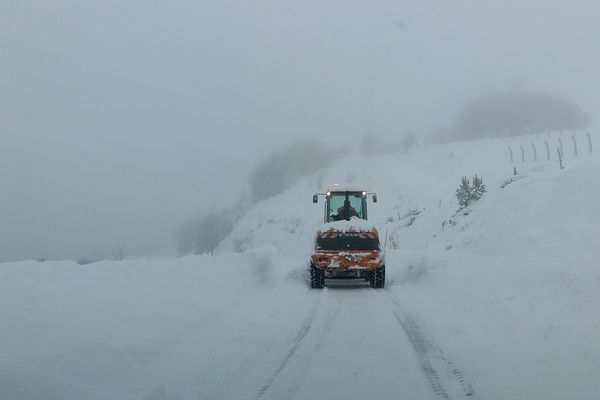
<point>500,303</point>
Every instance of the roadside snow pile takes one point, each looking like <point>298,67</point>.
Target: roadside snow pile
<point>287,222</point>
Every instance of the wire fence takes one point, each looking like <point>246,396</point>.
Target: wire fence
<point>556,150</point>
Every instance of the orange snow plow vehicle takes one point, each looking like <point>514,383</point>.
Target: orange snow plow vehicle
<point>347,246</point>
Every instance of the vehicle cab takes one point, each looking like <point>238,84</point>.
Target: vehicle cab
<point>344,202</point>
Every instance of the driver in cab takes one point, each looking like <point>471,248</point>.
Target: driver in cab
<point>346,211</point>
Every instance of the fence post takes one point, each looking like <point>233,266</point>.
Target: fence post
<point>589,140</point>
<point>574,144</point>
<point>547,150</point>
<point>522,153</point>
<point>561,146</point>
<point>559,158</point>
<point>511,155</point>
<point>534,152</point>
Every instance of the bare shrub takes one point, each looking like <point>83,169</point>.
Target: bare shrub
<point>120,251</point>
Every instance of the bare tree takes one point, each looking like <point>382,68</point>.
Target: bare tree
<point>273,174</point>
<point>120,251</point>
<point>408,141</point>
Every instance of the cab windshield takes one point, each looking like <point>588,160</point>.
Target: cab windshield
<point>336,206</point>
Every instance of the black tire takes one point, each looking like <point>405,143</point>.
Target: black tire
<point>378,278</point>
<point>317,278</point>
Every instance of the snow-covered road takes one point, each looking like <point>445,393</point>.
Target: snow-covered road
<point>346,341</point>
<point>256,333</point>
<point>174,329</point>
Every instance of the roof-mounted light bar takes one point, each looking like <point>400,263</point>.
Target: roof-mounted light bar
<point>328,194</point>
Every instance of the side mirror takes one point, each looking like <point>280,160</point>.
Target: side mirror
<point>315,198</point>
<point>374,198</point>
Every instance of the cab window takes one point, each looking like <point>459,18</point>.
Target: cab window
<point>336,202</point>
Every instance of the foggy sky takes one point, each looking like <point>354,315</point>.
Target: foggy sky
<point>121,120</point>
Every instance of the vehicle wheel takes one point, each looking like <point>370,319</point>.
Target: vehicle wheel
<point>317,278</point>
<point>378,278</point>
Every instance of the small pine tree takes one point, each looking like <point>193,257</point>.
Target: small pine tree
<point>463,193</point>
<point>467,191</point>
<point>478,188</point>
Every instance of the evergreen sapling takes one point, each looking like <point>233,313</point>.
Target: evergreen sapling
<point>467,191</point>
<point>463,193</point>
<point>478,188</point>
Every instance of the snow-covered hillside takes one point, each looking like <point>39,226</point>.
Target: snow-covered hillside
<point>498,302</point>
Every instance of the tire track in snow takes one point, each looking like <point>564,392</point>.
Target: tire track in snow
<point>296,343</point>
<point>322,333</point>
<point>261,353</point>
<point>299,341</point>
<point>432,360</point>
<point>203,331</point>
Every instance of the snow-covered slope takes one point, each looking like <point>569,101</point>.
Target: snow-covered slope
<point>499,302</point>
